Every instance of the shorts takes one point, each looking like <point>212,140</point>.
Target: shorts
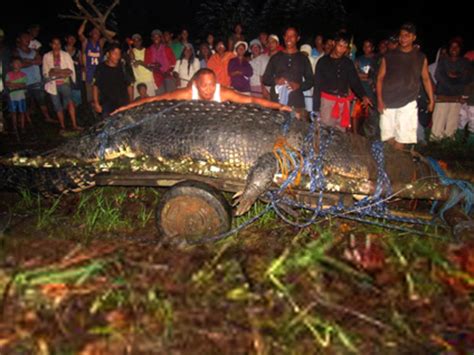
<point>76,96</point>
<point>17,105</point>
<point>36,94</point>
<point>400,123</point>
<point>63,97</point>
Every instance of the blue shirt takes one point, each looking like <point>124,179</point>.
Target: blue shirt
<point>33,73</point>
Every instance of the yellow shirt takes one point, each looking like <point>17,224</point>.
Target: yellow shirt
<point>142,74</point>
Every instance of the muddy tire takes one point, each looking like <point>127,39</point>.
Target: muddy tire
<point>191,210</point>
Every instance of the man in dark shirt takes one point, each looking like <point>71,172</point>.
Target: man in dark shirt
<point>452,74</point>
<point>289,73</point>
<point>335,74</point>
<point>112,88</point>
<point>398,86</point>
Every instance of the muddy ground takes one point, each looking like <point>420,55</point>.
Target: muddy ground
<point>88,273</point>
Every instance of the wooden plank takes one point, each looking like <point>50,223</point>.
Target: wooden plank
<point>416,190</point>
<point>154,179</point>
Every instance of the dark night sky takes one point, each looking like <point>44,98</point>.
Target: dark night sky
<point>369,18</point>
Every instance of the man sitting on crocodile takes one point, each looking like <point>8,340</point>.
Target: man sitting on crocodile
<point>205,87</point>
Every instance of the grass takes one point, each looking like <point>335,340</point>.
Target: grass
<point>27,199</point>
<point>100,211</point>
<point>264,221</point>
<point>52,275</point>
<point>45,215</point>
<point>144,215</point>
<point>122,295</point>
<point>313,257</point>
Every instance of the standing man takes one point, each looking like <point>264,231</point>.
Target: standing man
<point>30,65</point>
<point>398,86</point>
<point>160,58</point>
<point>58,64</point>
<point>111,86</point>
<point>452,74</point>
<point>366,66</point>
<point>335,74</point>
<point>289,73</point>
<point>92,52</point>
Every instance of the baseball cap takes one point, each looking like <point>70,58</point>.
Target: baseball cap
<point>306,48</point>
<point>156,32</point>
<point>255,42</point>
<point>136,36</point>
<point>274,37</point>
<point>241,43</point>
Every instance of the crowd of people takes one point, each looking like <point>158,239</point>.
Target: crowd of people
<point>387,92</point>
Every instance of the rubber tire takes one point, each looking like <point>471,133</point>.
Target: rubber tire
<point>192,210</point>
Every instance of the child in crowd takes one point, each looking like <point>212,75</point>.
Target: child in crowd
<point>16,84</point>
<point>142,91</point>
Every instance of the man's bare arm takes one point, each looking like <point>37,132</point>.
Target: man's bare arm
<point>233,96</point>
<point>380,77</point>
<point>95,99</point>
<point>425,75</point>
<point>179,94</point>
<point>80,33</point>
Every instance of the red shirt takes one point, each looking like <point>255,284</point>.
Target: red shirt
<point>165,57</point>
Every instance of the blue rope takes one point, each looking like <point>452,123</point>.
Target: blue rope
<point>285,127</point>
<point>371,207</point>
<point>461,190</point>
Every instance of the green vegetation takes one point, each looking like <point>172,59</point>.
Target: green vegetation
<point>334,287</point>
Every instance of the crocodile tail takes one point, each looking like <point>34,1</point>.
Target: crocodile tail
<point>47,181</point>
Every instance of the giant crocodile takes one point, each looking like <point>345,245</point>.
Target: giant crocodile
<point>222,140</point>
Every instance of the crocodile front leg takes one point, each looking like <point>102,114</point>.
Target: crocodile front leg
<point>259,180</point>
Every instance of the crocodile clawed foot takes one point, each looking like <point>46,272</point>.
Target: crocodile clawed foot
<point>243,205</point>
